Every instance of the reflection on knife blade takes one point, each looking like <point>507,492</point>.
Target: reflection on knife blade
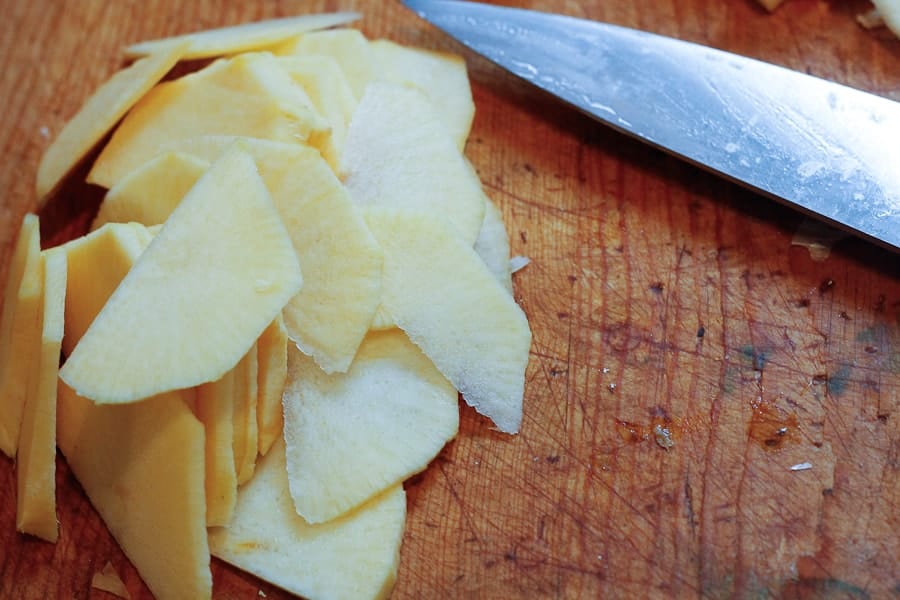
<point>825,148</point>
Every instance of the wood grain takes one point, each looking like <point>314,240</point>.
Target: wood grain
<point>660,298</point>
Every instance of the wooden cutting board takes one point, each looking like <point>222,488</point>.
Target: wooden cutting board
<point>685,354</point>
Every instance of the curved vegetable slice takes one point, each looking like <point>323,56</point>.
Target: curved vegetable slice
<point>246,95</point>
<point>341,260</point>
<point>20,331</point>
<point>398,154</point>
<point>98,115</point>
<point>349,47</point>
<point>353,556</point>
<point>352,435</point>
<point>150,193</point>
<point>36,458</point>
<point>213,278</point>
<point>142,467</point>
<point>441,293</point>
<point>241,38</point>
<point>97,263</point>
<point>441,76</point>
<point>272,348</point>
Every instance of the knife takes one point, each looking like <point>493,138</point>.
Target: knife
<point>827,149</point>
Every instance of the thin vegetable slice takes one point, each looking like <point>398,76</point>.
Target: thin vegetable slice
<point>246,95</point>
<point>352,435</point>
<point>142,466</point>
<point>341,260</point>
<point>241,38</point>
<point>99,114</point>
<point>20,331</point>
<point>36,459</point>
<point>398,154</point>
<point>467,324</point>
<point>217,273</point>
<point>150,193</point>
<point>354,556</point>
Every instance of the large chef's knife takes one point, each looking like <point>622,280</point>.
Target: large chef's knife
<point>828,149</point>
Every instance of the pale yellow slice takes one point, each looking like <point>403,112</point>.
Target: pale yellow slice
<point>150,193</point>
<point>246,95</point>
<point>341,260</point>
<point>241,38</point>
<point>215,409</point>
<point>466,323</point>
<point>142,466</point>
<point>36,459</point>
<point>97,263</point>
<point>441,76</point>
<point>350,436</point>
<point>272,348</point>
<point>349,47</point>
<point>353,557</point>
<point>20,331</point>
<point>246,430</point>
<point>99,114</point>
<point>324,81</point>
<point>399,155</point>
<point>214,277</point>
<point>492,246</point>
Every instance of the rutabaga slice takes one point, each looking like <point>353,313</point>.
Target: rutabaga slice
<point>323,80</point>
<point>352,435</point>
<point>142,466</point>
<point>36,458</point>
<point>440,292</point>
<point>97,263</point>
<point>150,193</point>
<point>492,246</point>
<point>215,409</point>
<point>245,95</point>
<point>398,154</point>
<point>241,38</point>
<point>246,429</point>
<point>441,76</point>
<point>20,331</point>
<point>272,349</point>
<point>99,114</point>
<point>352,557</point>
<point>217,273</point>
<point>341,260</point>
<point>349,47</point>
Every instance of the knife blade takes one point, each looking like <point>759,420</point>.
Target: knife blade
<point>827,149</point>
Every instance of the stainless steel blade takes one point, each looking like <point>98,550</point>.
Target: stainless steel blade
<point>831,150</point>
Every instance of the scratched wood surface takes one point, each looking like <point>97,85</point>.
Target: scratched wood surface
<point>661,298</point>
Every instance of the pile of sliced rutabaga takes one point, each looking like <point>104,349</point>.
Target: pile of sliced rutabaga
<point>293,274</point>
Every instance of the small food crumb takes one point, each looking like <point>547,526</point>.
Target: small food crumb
<point>817,237</point>
<point>870,19</point>
<point>261,594</point>
<point>108,580</point>
<point>517,263</point>
<point>44,131</point>
<point>804,466</point>
<point>663,437</point>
